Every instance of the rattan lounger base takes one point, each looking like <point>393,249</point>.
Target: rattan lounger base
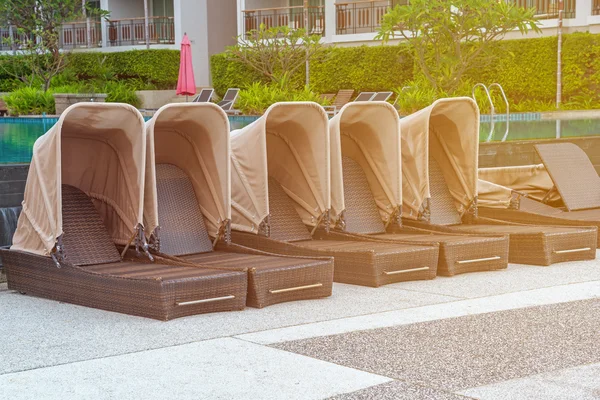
<point>534,245</point>
<point>458,253</point>
<point>93,274</point>
<point>357,262</point>
<point>271,279</point>
<point>535,213</point>
<point>161,292</point>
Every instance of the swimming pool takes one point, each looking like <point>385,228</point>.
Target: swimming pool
<point>17,135</point>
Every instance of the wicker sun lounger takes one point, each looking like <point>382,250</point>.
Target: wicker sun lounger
<point>72,256</point>
<point>367,139</point>
<point>191,156</point>
<point>291,144</point>
<point>448,132</point>
<point>523,200</point>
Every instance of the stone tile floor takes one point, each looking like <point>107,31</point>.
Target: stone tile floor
<point>527,332</point>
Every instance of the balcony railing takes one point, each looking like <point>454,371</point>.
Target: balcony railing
<point>74,35</point>
<point>548,9</point>
<point>132,32</point>
<point>10,39</point>
<point>362,16</point>
<point>292,17</point>
<point>365,16</point>
<point>596,7</point>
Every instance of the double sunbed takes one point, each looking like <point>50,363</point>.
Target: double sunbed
<point>92,187</point>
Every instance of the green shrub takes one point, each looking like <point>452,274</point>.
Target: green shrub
<point>227,74</point>
<point>526,68</point>
<point>158,68</point>
<point>121,93</point>
<point>255,99</point>
<point>28,100</point>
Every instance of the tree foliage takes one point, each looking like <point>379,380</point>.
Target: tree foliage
<point>448,38</point>
<point>37,37</point>
<point>276,53</point>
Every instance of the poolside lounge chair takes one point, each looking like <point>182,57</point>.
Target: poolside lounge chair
<point>440,153</point>
<point>367,191</point>
<point>342,98</point>
<point>89,171</point>
<point>382,96</point>
<point>524,194</point>
<point>228,101</point>
<point>204,96</point>
<point>365,96</point>
<point>281,189</point>
<point>191,162</point>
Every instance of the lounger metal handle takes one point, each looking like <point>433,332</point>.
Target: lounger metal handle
<point>404,271</point>
<point>211,300</point>
<point>478,260</point>
<point>572,250</point>
<point>293,289</point>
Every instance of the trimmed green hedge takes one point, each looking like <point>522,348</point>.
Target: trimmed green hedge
<point>526,68</point>
<point>155,68</point>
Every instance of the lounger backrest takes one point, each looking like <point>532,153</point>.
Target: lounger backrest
<point>382,96</point>
<point>204,96</point>
<point>86,240</point>
<point>231,95</point>
<point>225,105</point>
<point>573,174</point>
<point>365,96</point>
<point>286,224</point>
<point>442,208</point>
<point>182,228</point>
<point>343,97</point>
<point>361,214</point>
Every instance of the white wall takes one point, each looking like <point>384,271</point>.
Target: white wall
<point>125,8</point>
<point>191,18</point>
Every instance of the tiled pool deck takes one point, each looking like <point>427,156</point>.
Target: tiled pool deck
<point>523,333</point>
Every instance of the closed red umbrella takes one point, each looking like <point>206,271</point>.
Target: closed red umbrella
<point>186,83</point>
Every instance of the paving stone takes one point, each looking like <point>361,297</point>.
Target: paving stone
<point>465,352</point>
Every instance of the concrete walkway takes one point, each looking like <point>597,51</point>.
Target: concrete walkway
<point>524,333</point>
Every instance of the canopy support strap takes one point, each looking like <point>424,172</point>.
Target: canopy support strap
<point>58,254</point>
<point>223,233</point>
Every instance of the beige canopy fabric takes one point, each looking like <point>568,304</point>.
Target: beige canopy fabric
<point>448,131</point>
<point>195,138</point>
<point>369,133</point>
<point>492,195</point>
<point>98,148</point>
<point>290,143</point>
<point>531,180</point>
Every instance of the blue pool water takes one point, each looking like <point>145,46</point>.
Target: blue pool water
<point>17,135</point>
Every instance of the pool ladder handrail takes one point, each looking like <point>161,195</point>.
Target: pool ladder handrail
<point>505,104</point>
<point>488,90</point>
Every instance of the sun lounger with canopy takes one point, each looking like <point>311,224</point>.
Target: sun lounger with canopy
<point>188,195</point>
<point>366,190</point>
<point>281,186</point>
<point>440,157</point>
<point>528,194</point>
<point>84,194</point>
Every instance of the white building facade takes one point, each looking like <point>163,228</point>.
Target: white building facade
<point>210,25</point>
<point>349,22</point>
